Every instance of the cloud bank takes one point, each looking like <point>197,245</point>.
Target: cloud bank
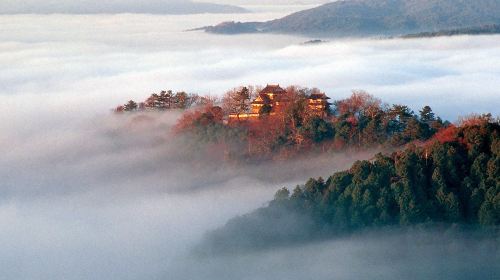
<point>383,254</point>
<point>118,197</point>
<point>105,60</point>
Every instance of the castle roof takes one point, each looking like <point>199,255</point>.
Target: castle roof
<point>273,89</point>
<point>316,96</point>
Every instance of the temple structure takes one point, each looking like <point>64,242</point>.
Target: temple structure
<point>318,102</point>
<point>272,97</point>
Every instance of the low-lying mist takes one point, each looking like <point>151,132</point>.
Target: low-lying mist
<point>113,152</point>
<point>378,254</point>
<point>120,196</point>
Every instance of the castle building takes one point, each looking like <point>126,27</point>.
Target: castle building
<point>272,97</point>
<point>318,102</point>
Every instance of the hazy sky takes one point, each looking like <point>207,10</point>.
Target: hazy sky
<point>109,6</point>
<point>133,6</point>
<point>269,2</point>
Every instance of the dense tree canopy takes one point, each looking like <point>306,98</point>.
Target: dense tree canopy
<point>447,180</point>
<point>360,121</point>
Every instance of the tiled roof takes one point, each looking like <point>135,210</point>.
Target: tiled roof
<point>274,89</point>
<point>318,96</point>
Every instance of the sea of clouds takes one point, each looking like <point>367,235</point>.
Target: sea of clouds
<point>86,194</point>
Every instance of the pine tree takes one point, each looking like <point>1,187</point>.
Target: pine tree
<point>130,106</point>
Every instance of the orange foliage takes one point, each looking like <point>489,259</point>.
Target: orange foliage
<point>202,116</point>
<point>474,120</point>
<point>448,134</point>
<point>262,132</point>
<point>187,120</point>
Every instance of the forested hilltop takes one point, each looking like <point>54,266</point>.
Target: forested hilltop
<point>441,173</point>
<point>452,179</point>
<point>255,123</point>
<point>353,18</point>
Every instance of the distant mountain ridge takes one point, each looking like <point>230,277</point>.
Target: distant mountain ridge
<point>376,17</point>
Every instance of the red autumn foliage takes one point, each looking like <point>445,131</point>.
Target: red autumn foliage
<point>263,132</point>
<point>448,134</point>
<point>186,121</point>
<point>202,116</point>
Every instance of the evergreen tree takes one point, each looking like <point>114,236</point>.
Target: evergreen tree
<point>426,115</point>
<point>130,106</point>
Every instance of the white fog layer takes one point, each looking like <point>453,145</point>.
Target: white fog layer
<point>87,194</point>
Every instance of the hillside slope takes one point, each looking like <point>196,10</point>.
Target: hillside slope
<point>452,179</point>
<point>378,17</point>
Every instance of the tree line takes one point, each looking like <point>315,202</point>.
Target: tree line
<point>236,100</point>
<point>166,100</point>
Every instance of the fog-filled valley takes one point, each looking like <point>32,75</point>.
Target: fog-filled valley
<point>115,197</point>
<point>110,188</point>
<point>89,194</point>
